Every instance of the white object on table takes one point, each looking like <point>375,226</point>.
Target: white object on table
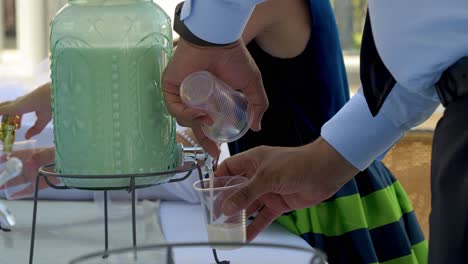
<point>7,220</point>
<point>10,169</point>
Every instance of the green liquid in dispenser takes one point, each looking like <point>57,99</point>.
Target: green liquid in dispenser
<point>109,114</point>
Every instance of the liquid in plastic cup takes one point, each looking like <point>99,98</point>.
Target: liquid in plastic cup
<point>222,228</point>
<point>13,175</point>
<point>226,106</point>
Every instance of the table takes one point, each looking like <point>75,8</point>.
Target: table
<point>68,229</point>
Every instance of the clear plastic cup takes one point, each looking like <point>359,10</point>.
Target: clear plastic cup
<point>226,106</point>
<point>17,178</point>
<point>222,228</point>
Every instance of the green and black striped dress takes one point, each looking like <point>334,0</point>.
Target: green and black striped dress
<point>370,219</point>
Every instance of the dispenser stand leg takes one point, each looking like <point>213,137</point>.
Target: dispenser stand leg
<point>106,228</point>
<point>33,229</point>
<point>200,174</point>
<point>169,259</point>
<point>132,188</point>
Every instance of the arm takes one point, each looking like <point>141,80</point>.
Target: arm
<point>285,179</point>
<point>231,63</point>
<point>281,28</point>
<point>230,16</point>
<point>39,101</point>
<point>275,16</point>
<point>222,22</point>
<point>32,159</point>
<point>361,138</point>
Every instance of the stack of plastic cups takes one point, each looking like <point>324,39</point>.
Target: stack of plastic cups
<point>226,106</point>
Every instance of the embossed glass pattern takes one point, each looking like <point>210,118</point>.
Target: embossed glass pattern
<point>109,114</point>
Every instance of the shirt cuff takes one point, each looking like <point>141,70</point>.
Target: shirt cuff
<point>217,21</point>
<point>358,136</point>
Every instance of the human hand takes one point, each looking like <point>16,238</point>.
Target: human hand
<point>284,179</point>
<point>231,64</point>
<point>32,159</point>
<point>38,101</point>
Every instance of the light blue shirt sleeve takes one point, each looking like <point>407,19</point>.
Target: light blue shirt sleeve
<point>217,21</point>
<point>361,138</point>
<point>416,52</point>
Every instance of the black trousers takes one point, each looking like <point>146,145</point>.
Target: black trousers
<point>448,242</point>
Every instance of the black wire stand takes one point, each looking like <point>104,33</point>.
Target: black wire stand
<point>317,257</point>
<point>47,171</point>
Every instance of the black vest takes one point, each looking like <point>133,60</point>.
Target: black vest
<point>376,80</point>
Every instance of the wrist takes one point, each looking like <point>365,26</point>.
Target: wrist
<point>184,42</point>
<point>328,163</point>
<point>194,21</point>
<point>186,34</point>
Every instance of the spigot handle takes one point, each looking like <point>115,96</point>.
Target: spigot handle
<point>195,152</point>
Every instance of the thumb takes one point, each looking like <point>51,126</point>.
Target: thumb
<point>243,198</point>
<point>37,128</point>
<point>26,192</point>
<point>255,116</point>
<point>209,145</point>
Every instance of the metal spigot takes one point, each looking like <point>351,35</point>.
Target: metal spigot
<point>196,152</point>
<point>8,131</point>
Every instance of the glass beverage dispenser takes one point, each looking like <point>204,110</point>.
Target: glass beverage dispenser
<point>109,115</point>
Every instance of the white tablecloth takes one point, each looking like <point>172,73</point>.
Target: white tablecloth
<point>66,230</point>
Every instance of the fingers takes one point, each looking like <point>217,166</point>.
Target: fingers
<point>186,116</point>
<point>18,180</point>
<point>41,123</point>
<point>31,163</point>
<point>3,158</point>
<point>258,102</point>
<point>263,219</point>
<point>245,197</point>
<point>39,101</point>
<point>250,83</point>
<point>253,208</point>
<point>44,156</point>
<point>208,145</point>
<point>24,193</point>
<point>28,191</point>
<point>240,164</point>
